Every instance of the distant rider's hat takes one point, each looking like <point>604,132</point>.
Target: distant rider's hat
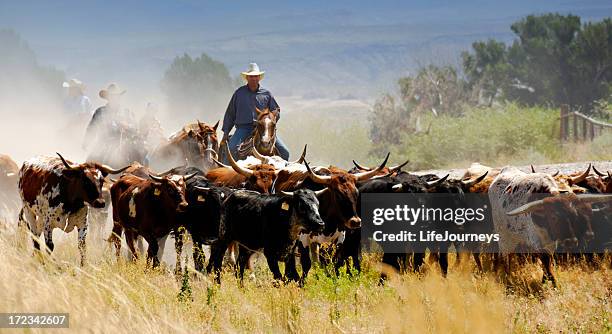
<point>74,83</point>
<point>253,70</point>
<point>111,90</point>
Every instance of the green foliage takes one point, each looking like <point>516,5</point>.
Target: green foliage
<point>185,295</point>
<point>198,86</point>
<point>554,60</point>
<point>487,135</point>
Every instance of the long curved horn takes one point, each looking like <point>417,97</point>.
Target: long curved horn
<point>532,169</point>
<point>470,183</point>
<point>598,172</point>
<point>66,164</point>
<point>302,157</point>
<point>257,155</point>
<point>317,178</point>
<point>527,208</point>
<point>360,167</point>
<point>172,170</point>
<point>555,173</point>
<point>240,170</point>
<point>398,167</point>
<point>202,188</point>
<point>609,175</point>
<point>581,177</point>
<point>106,169</point>
<point>438,181</point>
<point>532,206</point>
<point>366,175</point>
<point>595,198</point>
<point>287,193</point>
<point>321,192</point>
<point>156,178</point>
<point>187,177</point>
<point>221,164</point>
<point>397,188</point>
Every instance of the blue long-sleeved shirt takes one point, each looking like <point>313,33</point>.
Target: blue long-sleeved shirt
<point>241,108</point>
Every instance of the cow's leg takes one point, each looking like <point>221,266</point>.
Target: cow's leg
<point>477,260</point>
<point>178,247</point>
<point>273,265</point>
<point>291,267</point>
<point>305,261</point>
<point>243,259</point>
<point>82,246</point>
<point>153,251</point>
<point>547,264</point>
<point>27,218</point>
<point>418,261</point>
<point>198,256</point>
<point>443,259</point>
<point>217,251</point>
<point>115,238</point>
<point>130,239</point>
<point>48,231</point>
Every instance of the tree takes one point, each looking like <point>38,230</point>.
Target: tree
<point>487,69</point>
<point>199,88</point>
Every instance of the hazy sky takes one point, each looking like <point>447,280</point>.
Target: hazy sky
<point>301,44</point>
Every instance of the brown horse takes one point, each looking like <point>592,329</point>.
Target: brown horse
<point>195,144</point>
<point>263,138</point>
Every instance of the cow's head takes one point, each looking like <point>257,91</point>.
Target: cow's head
<point>260,178</point>
<point>342,197</point>
<point>204,200</point>
<point>566,217</point>
<point>170,190</point>
<point>85,180</point>
<point>304,207</point>
<point>605,181</point>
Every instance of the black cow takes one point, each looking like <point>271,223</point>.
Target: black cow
<point>269,222</point>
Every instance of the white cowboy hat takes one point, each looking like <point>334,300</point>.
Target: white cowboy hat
<point>73,83</point>
<point>111,90</point>
<point>253,70</point>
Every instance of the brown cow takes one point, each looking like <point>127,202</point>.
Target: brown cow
<point>257,177</point>
<point>147,208</point>
<point>54,193</point>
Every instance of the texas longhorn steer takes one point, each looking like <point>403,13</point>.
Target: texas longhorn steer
<point>147,207</point>
<point>55,192</point>
<point>528,223</point>
<point>269,222</point>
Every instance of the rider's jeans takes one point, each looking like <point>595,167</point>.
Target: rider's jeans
<point>243,132</point>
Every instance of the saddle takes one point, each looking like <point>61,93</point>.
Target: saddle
<point>245,148</point>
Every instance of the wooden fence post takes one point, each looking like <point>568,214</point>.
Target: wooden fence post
<point>575,128</point>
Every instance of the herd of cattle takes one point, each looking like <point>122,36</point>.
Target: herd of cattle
<point>287,209</point>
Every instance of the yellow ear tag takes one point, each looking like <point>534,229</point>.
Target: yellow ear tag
<point>201,198</point>
<point>157,192</point>
<point>285,206</point>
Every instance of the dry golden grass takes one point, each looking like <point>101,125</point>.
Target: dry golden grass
<point>107,296</point>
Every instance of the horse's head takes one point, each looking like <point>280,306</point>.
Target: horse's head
<point>205,136</point>
<point>265,131</point>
